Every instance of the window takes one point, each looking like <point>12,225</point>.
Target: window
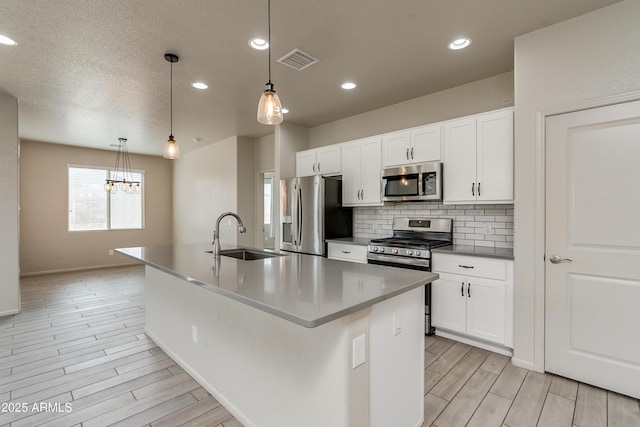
<point>93,208</point>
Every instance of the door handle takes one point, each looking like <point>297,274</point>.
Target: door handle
<point>412,153</point>
<point>469,289</point>
<point>473,186</point>
<point>478,187</point>
<point>319,172</point>
<point>407,154</point>
<point>314,168</point>
<point>462,289</point>
<point>555,259</point>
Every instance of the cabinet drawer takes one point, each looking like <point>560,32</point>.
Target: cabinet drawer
<point>347,252</point>
<point>470,266</point>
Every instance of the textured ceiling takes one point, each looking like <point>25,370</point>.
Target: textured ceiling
<point>89,71</point>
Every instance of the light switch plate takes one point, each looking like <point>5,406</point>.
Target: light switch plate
<point>358,351</point>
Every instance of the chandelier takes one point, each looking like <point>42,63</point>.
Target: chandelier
<point>121,173</point>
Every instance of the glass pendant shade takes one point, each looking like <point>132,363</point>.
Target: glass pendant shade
<point>269,107</point>
<point>171,149</point>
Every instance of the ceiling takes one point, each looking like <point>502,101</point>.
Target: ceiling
<point>87,72</point>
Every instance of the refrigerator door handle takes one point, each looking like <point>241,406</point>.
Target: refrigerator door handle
<point>299,235</point>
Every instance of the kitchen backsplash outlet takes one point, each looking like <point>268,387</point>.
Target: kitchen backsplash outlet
<point>473,225</point>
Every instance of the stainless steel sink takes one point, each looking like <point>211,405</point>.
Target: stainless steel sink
<point>247,254</point>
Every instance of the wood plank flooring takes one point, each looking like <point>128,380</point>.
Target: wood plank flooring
<point>80,341</point>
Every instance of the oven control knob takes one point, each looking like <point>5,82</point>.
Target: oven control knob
<point>409,253</point>
<point>381,250</point>
<point>395,251</point>
<point>418,253</point>
<point>375,249</point>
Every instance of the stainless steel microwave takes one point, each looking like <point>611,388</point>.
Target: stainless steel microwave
<point>421,182</point>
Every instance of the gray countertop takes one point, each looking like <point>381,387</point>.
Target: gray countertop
<point>502,253</point>
<point>304,289</point>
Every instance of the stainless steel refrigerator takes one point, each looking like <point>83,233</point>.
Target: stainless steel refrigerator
<point>311,211</point>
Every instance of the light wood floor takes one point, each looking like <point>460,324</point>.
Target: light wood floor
<point>80,340</point>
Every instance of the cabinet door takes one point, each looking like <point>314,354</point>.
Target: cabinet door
<point>351,173</point>
<point>396,149</point>
<point>448,298</point>
<point>486,309</point>
<point>495,156</point>
<point>460,161</point>
<point>370,171</point>
<point>305,163</point>
<point>328,160</point>
<point>425,144</point>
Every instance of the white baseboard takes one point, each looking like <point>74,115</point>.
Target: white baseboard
<point>524,364</point>
<point>73,269</point>
<point>9,312</point>
<point>496,348</point>
<point>209,387</point>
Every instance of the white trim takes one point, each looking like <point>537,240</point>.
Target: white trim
<point>540,215</point>
<point>496,348</point>
<point>9,312</point>
<point>73,269</point>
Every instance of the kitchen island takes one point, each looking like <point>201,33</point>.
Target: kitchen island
<point>291,340</point>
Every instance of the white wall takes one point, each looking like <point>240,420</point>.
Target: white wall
<point>579,63</point>
<point>483,95</point>
<point>9,226</point>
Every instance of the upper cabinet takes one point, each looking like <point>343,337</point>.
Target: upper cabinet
<point>417,145</point>
<point>361,172</point>
<point>478,160</point>
<point>319,161</point>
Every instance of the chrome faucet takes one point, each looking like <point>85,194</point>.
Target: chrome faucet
<point>216,232</point>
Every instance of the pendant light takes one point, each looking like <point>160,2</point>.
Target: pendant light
<point>269,107</point>
<point>171,149</point>
<point>121,173</point>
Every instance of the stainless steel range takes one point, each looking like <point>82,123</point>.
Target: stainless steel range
<point>410,247</point>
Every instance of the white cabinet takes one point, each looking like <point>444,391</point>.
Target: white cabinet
<point>347,252</point>
<point>319,161</point>
<point>417,145</point>
<point>474,297</point>
<point>361,168</point>
<point>478,160</point>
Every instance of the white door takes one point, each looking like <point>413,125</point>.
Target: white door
<point>351,173</point>
<point>370,167</point>
<point>306,163</point>
<point>449,302</point>
<point>425,143</point>
<point>395,149</point>
<point>328,160</point>
<point>495,156</point>
<point>593,227</point>
<point>486,308</point>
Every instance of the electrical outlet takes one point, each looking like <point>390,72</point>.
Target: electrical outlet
<point>194,334</point>
<point>110,251</point>
<point>397,327</point>
<point>358,351</point>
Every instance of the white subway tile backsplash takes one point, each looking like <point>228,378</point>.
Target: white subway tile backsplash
<point>469,221</point>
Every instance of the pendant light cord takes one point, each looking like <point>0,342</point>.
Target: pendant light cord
<point>171,99</point>
<point>269,34</point>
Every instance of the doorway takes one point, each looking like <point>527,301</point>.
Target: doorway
<point>268,209</point>
<point>592,247</point>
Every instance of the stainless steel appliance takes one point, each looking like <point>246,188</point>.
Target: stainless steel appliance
<point>410,247</point>
<point>412,183</point>
<point>311,211</point>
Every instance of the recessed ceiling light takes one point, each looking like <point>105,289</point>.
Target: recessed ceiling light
<point>260,44</point>
<point>284,110</point>
<point>6,40</point>
<point>199,85</point>
<point>348,85</point>
<point>460,43</point>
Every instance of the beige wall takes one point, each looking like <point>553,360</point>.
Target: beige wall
<point>579,63</point>
<point>476,97</point>
<point>9,224</point>
<point>46,245</point>
<point>210,181</point>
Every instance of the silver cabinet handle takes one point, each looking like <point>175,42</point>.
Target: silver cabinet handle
<point>314,168</point>
<point>319,172</point>
<point>407,154</point>
<point>555,259</point>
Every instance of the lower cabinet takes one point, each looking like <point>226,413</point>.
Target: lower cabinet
<point>474,297</point>
<point>347,252</point>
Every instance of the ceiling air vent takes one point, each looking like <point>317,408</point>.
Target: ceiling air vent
<point>298,59</point>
